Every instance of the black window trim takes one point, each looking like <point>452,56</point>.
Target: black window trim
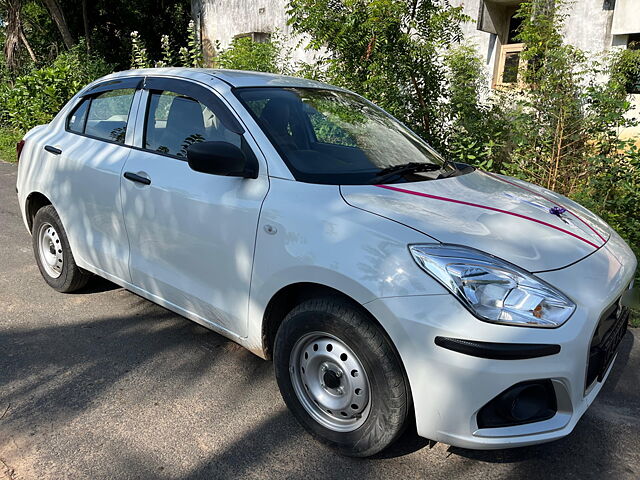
<point>141,84</point>
<point>200,94</point>
<point>190,89</point>
<point>134,83</point>
<point>115,84</point>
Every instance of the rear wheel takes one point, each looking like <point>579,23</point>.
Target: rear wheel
<point>53,253</point>
<point>341,377</point>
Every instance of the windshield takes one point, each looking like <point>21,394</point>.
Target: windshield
<point>334,137</point>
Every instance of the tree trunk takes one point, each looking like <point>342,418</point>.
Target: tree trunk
<point>27,46</point>
<point>87,31</point>
<point>12,32</point>
<point>61,22</point>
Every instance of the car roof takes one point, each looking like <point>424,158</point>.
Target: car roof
<point>235,78</point>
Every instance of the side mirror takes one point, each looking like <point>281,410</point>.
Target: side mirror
<point>221,158</point>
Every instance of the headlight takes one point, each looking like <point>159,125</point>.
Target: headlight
<point>492,289</point>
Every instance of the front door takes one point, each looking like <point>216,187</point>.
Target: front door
<point>191,234</point>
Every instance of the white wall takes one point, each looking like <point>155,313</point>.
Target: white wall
<point>588,25</point>
<point>222,20</point>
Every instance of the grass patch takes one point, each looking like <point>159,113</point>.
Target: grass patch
<point>8,140</point>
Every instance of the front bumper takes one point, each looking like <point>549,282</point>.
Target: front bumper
<point>449,387</point>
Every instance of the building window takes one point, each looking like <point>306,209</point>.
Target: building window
<point>633,83</point>
<point>508,63</point>
<point>258,37</point>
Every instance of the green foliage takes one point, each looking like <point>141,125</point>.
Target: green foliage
<point>194,58</point>
<point>139,57</point>
<point>387,50</point>
<point>625,70</point>
<point>559,127</point>
<point>612,189</point>
<point>109,25</point>
<point>188,56</point>
<point>37,96</point>
<point>8,140</point>
<point>552,113</point>
<point>183,56</point>
<point>245,54</point>
<point>167,54</point>
<point>476,130</point>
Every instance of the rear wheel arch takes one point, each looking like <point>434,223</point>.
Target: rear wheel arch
<point>35,201</point>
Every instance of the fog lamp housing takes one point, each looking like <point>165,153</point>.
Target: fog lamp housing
<point>525,402</point>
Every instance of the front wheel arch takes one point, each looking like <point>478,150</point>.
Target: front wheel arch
<point>290,296</point>
<point>286,299</point>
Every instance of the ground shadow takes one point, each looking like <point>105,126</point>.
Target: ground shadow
<point>97,285</point>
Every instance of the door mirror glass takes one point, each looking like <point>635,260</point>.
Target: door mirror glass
<point>220,158</point>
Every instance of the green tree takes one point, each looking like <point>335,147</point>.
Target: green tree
<point>36,97</point>
<point>388,50</point>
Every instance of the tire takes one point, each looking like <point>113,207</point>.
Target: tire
<point>51,249</point>
<point>319,350</point>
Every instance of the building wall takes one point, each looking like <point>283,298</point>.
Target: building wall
<point>588,26</point>
<point>223,20</point>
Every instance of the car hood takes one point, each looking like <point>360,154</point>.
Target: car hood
<point>511,219</point>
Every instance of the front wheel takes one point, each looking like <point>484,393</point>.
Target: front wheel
<point>341,377</point>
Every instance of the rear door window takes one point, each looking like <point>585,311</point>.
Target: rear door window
<point>103,116</point>
<point>78,117</point>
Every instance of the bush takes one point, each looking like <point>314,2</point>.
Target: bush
<point>8,140</point>
<point>35,98</point>
<point>612,190</point>
<point>245,54</point>
<point>477,128</point>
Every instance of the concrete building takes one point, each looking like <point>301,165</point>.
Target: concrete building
<point>592,25</point>
<point>220,21</point>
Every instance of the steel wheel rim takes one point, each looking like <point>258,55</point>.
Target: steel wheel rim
<point>330,382</point>
<point>50,250</point>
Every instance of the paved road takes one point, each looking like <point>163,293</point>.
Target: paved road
<point>104,384</point>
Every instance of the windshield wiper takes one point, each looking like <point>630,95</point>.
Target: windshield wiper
<point>397,170</point>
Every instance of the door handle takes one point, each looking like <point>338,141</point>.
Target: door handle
<point>134,177</point>
<point>51,149</point>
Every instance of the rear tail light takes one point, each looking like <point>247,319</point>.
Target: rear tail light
<point>19,147</point>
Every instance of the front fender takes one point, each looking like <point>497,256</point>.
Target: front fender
<point>307,233</point>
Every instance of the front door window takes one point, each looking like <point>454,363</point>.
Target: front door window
<point>175,121</point>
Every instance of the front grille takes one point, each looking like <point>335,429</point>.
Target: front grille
<point>606,339</point>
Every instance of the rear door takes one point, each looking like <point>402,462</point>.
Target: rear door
<point>191,234</point>
<point>91,154</point>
